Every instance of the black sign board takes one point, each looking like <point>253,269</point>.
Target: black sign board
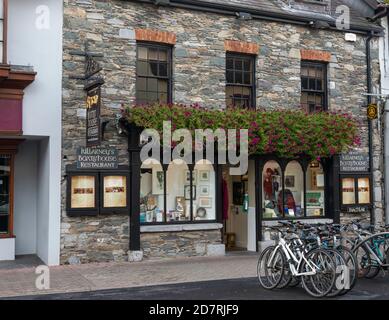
<point>93,125</point>
<point>97,158</point>
<point>354,162</point>
<point>357,209</point>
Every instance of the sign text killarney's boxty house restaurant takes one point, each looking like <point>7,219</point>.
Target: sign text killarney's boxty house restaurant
<point>97,158</point>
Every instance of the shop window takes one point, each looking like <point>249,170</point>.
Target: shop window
<point>204,205</point>
<point>97,192</point>
<point>315,184</point>
<point>152,186</point>
<point>355,191</point>
<point>5,195</point>
<point>272,190</point>
<point>178,195</point>
<point>153,73</point>
<point>293,193</point>
<point>313,86</point>
<point>294,190</point>
<point>240,80</point>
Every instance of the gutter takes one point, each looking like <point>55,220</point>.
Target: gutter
<point>230,10</point>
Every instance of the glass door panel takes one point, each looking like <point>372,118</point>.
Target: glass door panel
<point>5,178</point>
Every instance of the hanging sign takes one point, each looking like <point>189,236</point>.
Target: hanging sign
<point>93,124</point>
<point>372,111</point>
<point>97,158</point>
<point>354,162</point>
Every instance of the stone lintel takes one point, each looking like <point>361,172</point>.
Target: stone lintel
<point>315,55</point>
<point>241,47</point>
<point>155,36</point>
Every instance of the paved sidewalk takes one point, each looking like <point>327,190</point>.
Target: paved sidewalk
<point>98,276</point>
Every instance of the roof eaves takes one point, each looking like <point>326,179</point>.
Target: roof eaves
<point>302,19</point>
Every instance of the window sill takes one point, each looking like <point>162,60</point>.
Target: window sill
<point>181,227</point>
<point>6,236</point>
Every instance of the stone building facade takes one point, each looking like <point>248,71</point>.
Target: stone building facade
<point>200,41</point>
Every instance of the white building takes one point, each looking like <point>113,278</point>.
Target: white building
<point>30,129</point>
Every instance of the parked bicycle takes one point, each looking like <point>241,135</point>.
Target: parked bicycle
<point>310,254</point>
<point>290,258</point>
<point>370,245</point>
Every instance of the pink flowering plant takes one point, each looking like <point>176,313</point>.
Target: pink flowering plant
<point>285,133</point>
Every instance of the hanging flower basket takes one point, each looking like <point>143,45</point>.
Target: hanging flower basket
<point>285,133</point>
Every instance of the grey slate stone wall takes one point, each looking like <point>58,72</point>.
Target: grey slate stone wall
<point>199,76</point>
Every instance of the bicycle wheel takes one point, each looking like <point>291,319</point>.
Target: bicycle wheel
<point>340,266</point>
<point>270,268</point>
<point>322,281</point>
<point>362,256</point>
<point>374,264</point>
<point>352,267</point>
<point>287,276</point>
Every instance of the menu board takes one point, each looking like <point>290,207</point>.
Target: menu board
<point>363,191</point>
<point>83,192</point>
<point>115,191</point>
<point>348,191</point>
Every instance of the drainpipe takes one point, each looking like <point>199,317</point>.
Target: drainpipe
<point>370,133</point>
<point>386,144</point>
<point>386,159</point>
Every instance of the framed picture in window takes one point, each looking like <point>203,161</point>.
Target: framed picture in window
<point>204,190</point>
<point>158,182</point>
<point>205,202</point>
<point>289,182</point>
<point>187,192</point>
<point>194,177</point>
<point>204,175</point>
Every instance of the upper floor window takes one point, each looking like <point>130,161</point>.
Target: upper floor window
<point>153,73</point>
<point>313,86</point>
<point>240,80</point>
<point>3,30</point>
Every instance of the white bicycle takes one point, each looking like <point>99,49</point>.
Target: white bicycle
<point>289,259</point>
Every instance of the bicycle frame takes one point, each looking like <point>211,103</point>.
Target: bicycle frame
<point>376,243</point>
<point>292,259</point>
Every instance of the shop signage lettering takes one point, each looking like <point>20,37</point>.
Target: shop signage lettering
<point>97,158</point>
<point>93,126</point>
<point>356,209</point>
<point>354,162</point>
